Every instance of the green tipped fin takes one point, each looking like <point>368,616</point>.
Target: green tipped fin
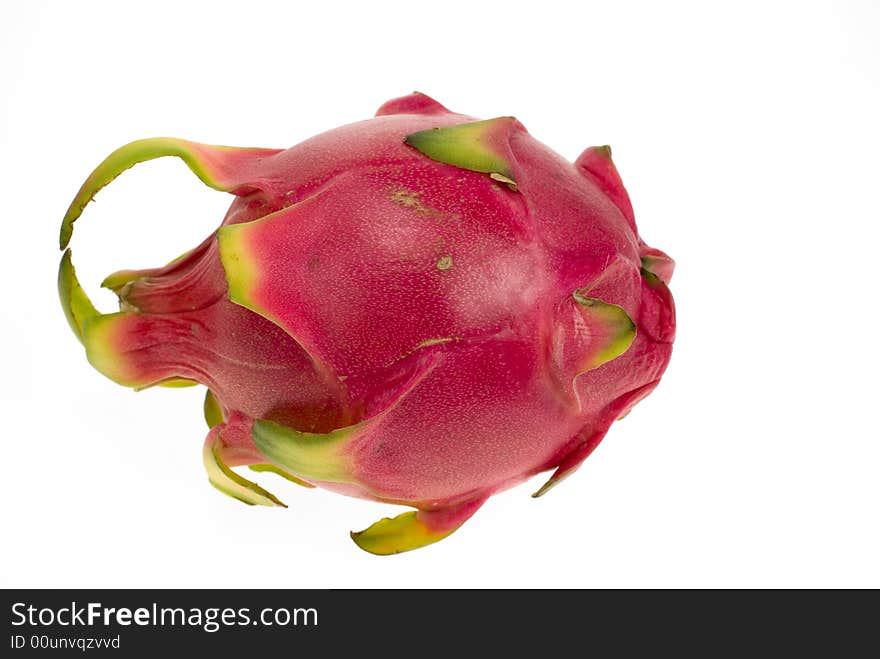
<point>612,329</point>
<point>177,383</point>
<point>272,469</point>
<point>212,410</point>
<point>480,146</point>
<point>78,308</point>
<point>653,280</point>
<point>552,482</point>
<point>393,535</point>
<point>117,281</point>
<point>589,438</point>
<point>313,456</point>
<point>659,264</point>
<point>415,529</point>
<point>225,168</point>
<point>229,482</point>
<point>96,331</point>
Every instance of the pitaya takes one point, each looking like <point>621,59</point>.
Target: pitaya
<point>420,308</point>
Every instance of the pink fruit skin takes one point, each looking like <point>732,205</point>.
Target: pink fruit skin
<point>424,297</point>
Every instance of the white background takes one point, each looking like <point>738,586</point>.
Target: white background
<point>747,135</point>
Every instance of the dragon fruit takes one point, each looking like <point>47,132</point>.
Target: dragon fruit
<point>421,308</point>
